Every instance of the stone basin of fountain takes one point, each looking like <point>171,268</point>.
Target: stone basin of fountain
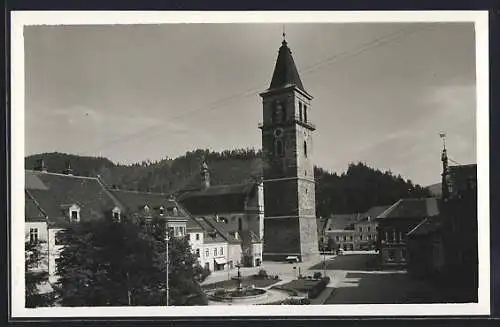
<point>238,295</point>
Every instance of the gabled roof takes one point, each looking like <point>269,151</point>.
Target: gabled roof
<point>341,221</point>
<point>53,191</point>
<point>412,208</point>
<point>32,211</point>
<point>374,212</point>
<point>211,235</point>
<point>218,199</point>
<point>221,228</point>
<point>135,202</point>
<point>285,71</point>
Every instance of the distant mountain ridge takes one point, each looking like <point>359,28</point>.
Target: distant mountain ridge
<point>435,189</point>
<point>356,190</point>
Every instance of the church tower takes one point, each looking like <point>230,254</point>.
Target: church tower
<point>289,192</point>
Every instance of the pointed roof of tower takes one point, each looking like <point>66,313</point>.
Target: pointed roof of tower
<point>285,72</point>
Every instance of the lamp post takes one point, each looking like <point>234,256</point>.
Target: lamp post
<point>324,253</point>
<point>167,239</point>
<point>238,289</point>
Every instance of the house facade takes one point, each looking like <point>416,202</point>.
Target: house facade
<point>235,211</point>
<point>356,231</point>
<point>396,222</point>
<point>54,201</point>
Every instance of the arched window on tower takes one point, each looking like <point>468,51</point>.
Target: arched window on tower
<point>279,147</point>
<point>305,149</point>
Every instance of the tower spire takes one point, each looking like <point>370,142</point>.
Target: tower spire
<point>285,71</point>
<point>444,174</point>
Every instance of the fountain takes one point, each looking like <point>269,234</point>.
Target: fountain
<point>243,295</point>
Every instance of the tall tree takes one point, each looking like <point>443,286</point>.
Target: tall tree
<point>34,276</point>
<point>105,263</point>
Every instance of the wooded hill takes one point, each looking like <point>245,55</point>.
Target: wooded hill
<point>355,190</point>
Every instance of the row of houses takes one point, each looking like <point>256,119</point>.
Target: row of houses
<point>434,238</point>
<point>224,224</point>
<point>352,232</point>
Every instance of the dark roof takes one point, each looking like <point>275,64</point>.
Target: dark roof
<point>31,210</point>
<point>341,221</point>
<point>135,202</point>
<point>32,181</point>
<point>412,208</point>
<point>218,199</point>
<point>285,72</point>
<point>427,226</point>
<point>374,212</point>
<point>211,235</point>
<point>222,228</point>
<point>54,193</point>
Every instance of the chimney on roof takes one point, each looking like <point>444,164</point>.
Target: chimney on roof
<point>40,166</point>
<point>68,170</point>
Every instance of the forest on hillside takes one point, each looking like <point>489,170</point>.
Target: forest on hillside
<point>357,189</point>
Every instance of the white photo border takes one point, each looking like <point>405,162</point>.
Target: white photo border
<point>19,19</point>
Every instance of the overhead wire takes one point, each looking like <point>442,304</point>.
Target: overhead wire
<point>218,104</point>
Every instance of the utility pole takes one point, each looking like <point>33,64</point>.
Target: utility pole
<point>167,239</point>
<point>324,253</point>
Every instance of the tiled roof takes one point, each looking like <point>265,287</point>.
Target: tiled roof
<point>222,228</point>
<point>31,210</point>
<point>285,71</point>
<point>412,208</point>
<point>218,199</point>
<point>211,235</point>
<point>427,226</point>
<point>32,181</point>
<point>135,202</point>
<point>60,191</point>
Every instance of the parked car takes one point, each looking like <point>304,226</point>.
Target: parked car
<point>292,259</point>
<point>340,251</point>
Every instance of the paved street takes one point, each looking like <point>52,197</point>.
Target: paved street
<point>356,278</point>
<point>358,281</point>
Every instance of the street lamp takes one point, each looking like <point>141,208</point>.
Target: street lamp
<point>167,239</point>
<point>324,253</point>
<point>238,289</point>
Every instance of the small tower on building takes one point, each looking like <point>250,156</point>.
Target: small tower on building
<point>205,175</point>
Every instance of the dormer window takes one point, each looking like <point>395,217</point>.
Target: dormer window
<point>174,211</point>
<point>74,214</point>
<point>162,211</point>
<point>116,214</point>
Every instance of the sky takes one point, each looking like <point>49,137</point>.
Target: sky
<point>382,92</point>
